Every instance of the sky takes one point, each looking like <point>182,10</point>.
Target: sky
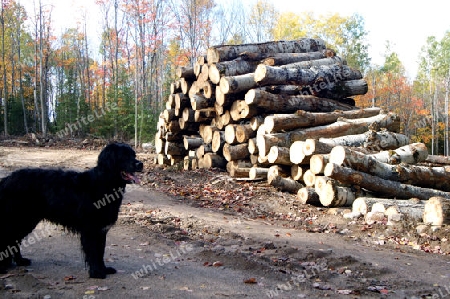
<point>406,24</point>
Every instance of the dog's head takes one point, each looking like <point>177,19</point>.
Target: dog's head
<point>119,160</point>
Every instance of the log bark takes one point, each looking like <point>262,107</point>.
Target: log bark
<point>211,160</point>
<point>412,209</point>
<point>332,195</point>
<point>244,133</point>
<point>169,115</point>
<point>230,52</point>
<point>188,126</point>
<point>313,63</point>
<point>182,101</point>
<point>235,67</point>
<point>316,78</point>
<point>437,211</point>
<point>235,152</point>
<point>355,140</point>
<point>285,184</point>
<point>286,122</point>
<point>436,159</point>
<point>411,154</point>
<point>346,127</point>
<point>279,155</point>
<point>203,149</point>
<point>185,72</point>
<point>308,196</point>
<point>192,142</point>
<point>258,173</point>
<point>339,90</point>
<point>174,149</point>
<point>287,58</point>
<point>385,140</point>
<point>237,84</point>
<point>200,102</point>
<point>280,103</point>
<point>384,187</point>
<point>428,177</point>
<point>186,85</point>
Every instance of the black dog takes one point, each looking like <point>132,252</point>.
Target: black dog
<point>76,200</point>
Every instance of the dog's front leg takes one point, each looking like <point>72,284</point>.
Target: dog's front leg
<point>93,244</point>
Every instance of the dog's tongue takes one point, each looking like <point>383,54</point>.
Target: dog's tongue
<point>132,177</point>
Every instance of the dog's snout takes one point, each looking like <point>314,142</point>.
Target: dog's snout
<point>139,166</point>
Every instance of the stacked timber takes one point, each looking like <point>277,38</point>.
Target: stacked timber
<point>283,112</point>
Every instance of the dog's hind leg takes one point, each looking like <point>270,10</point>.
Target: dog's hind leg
<point>93,244</point>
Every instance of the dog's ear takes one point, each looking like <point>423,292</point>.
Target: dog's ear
<point>108,157</point>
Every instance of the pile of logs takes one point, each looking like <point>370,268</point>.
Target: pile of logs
<point>283,111</point>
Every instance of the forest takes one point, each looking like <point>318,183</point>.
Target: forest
<point>64,85</point>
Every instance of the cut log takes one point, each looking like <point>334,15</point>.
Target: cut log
<point>211,160</point>
<point>185,72</point>
<point>163,159</point>
<point>316,77</point>
<point>286,122</point>
<point>385,140</point>
<point>278,170</point>
<point>182,101</point>
<point>437,211</point>
<point>318,162</point>
<point>237,84</point>
<point>436,159</point>
<point>200,102</point>
<point>308,196</point>
<point>279,155</point>
<point>252,148</point>
<point>256,121</point>
<point>332,195</point>
<point>175,87</point>
<point>230,134</point>
<point>187,162</point>
<point>174,149</point>
<point>204,115</point>
<point>355,140</point>
<point>230,52</point>
<point>296,154</point>
<point>192,142</point>
<point>188,115</point>
<point>411,154</point>
<point>169,115</point>
<point>188,126</point>
<point>209,90</point>
<point>236,152</point>
<point>281,103</point>
<point>411,208</point>
<point>313,63</point>
<point>287,58</point>
<point>285,184</point>
<point>429,177</point>
<point>203,149</point>
<point>186,85</point>
<point>297,172</point>
<point>208,133</point>
<point>346,127</point>
<point>258,173</point>
<point>218,141</point>
<point>233,67</point>
<point>309,178</point>
<point>313,146</point>
<point>244,133</point>
<point>381,186</point>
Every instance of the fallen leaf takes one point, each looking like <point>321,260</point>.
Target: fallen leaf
<point>69,278</point>
<point>217,264</point>
<point>250,280</point>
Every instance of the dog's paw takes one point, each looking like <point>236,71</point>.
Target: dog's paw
<point>97,274</point>
<point>110,270</point>
<point>22,261</point>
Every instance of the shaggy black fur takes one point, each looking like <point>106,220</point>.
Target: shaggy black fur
<point>68,198</point>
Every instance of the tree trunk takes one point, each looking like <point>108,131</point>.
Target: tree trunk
<point>281,103</point>
<point>384,187</point>
<point>437,211</point>
<point>235,152</point>
<point>317,78</point>
<point>286,122</point>
<point>237,84</point>
<point>308,196</point>
<point>230,52</point>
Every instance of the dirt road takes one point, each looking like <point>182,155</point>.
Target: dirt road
<point>201,235</point>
